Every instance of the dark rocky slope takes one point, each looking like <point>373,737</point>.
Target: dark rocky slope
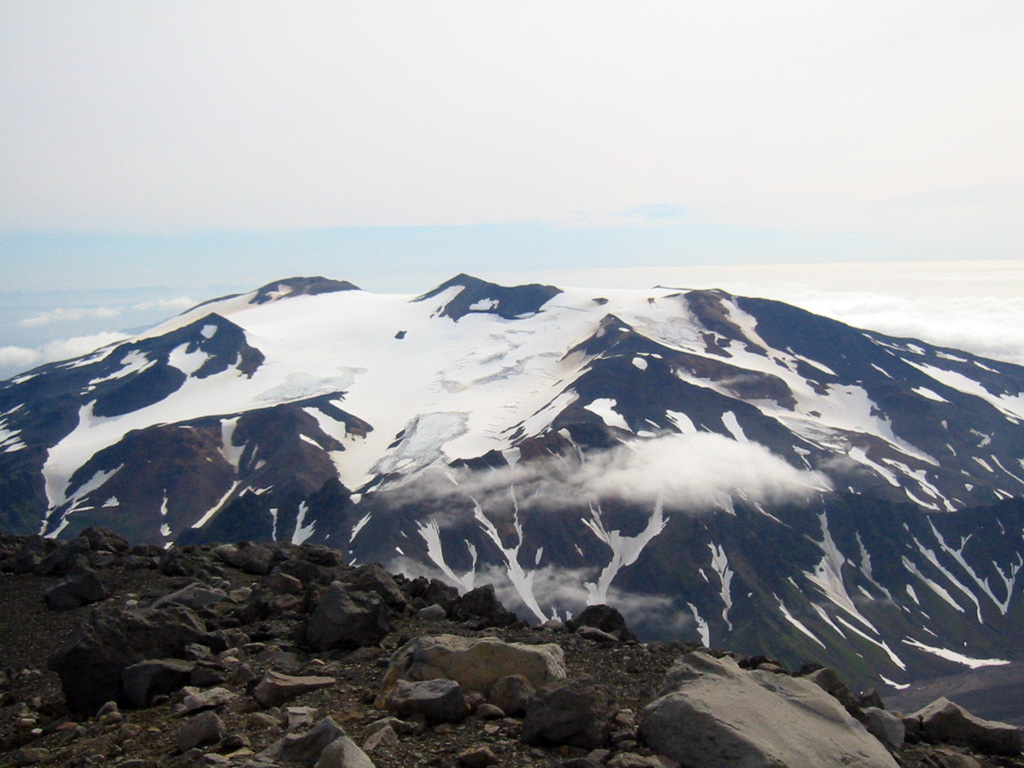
<point>246,654</point>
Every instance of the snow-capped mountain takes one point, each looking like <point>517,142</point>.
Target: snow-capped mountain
<point>732,470</point>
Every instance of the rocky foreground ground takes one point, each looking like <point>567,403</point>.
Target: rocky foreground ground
<point>259,656</point>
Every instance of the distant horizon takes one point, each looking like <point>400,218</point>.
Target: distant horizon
<point>972,305</point>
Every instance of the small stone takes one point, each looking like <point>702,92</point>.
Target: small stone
<point>599,636</point>
<point>263,720</point>
<point>30,755</point>
<point>234,742</point>
<point>511,694</point>
<point>385,737</point>
<point>630,760</point>
<point>343,753</point>
<point>282,582</point>
<point>205,728</point>
<point>431,612</point>
<point>491,729</point>
<point>476,757</point>
<point>300,717</point>
<point>490,712</point>
<point>111,718</point>
<point>215,697</point>
<point>275,688</point>
<point>106,709</point>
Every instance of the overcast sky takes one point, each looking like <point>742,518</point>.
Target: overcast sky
<point>199,145</point>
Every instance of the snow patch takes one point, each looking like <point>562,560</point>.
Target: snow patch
<point>702,626</point>
<point>959,658</point>
<point>302,532</point>
<point>796,623</point>
<point>605,408</point>
<point>925,392</point>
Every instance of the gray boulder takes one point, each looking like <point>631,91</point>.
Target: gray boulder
<point>577,713</point>
<point>942,720</point>
<point>344,619</point>
<point>714,714</point>
<point>437,700</point>
<point>81,587</point>
<point>110,639</point>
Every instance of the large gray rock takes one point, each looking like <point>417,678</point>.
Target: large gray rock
<point>713,714</point>
<point>475,663</point>
<point>437,700</point>
<point>110,639</point>
<point>81,587</point>
<point>344,619</point>
<point>577,713</point>
<point>942,720</point>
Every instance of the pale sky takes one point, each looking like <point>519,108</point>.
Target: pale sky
<point>201,144</point>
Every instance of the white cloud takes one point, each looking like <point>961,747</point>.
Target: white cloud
<point>79,345</point>
<point>15,359</point>
<point>66,314</point>
<point>18,358</point>
<point>695,471</point>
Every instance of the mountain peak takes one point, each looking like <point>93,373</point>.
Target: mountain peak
<point>478,295</point>
<point>300,286</point>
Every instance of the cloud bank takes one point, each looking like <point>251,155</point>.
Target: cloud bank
<point>695,471</point>
<point>21,358</point>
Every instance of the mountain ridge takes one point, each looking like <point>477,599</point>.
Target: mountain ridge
<point>569,445</point>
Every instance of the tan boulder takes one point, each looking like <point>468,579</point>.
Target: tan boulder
<point>475,663</point>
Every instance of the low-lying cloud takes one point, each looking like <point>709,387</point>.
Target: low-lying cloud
<point>14,359</point>
<point>693,471</point>
<point>66,314</point>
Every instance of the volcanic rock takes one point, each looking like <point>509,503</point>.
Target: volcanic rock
<point>91,662</point>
